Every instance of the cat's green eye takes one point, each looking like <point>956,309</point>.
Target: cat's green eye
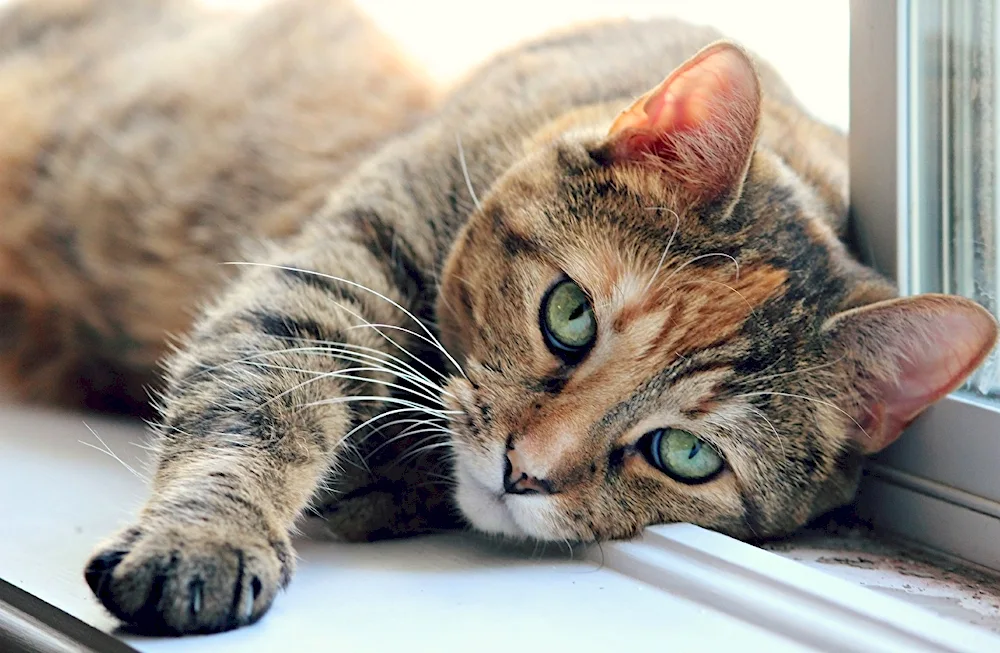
<point>682,456</point>
<point>568,321</point>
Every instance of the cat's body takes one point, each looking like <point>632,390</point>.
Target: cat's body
<point>144,141</point>
<point>653,315</point>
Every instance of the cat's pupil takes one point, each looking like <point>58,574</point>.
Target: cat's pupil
<point>695,448</point>
<point>567,321</point>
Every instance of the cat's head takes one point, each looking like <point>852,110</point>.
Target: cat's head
<point>657,325</point>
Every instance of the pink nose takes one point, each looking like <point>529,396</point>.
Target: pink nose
<point>517,481</point>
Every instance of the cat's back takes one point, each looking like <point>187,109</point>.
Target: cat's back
<point>590,63</point>
<point>143,140</point>
<point>193,88</point>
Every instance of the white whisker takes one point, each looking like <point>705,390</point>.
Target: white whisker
<point>354,284</point>
<point>806,370</point>
<point>781,443</point>
<point>807,398</point>
<point>389,400</point>
<point>340,350</point>
<point>346,374</point>
<point>569,547</point>
<point>376,327</point>
<point>724,285</point>
<point>465,172</point>
<point>106,450</point>
<point>663,257</point>
<point>372,420</point>
<point>704,256</point>
<point>422,450</point>
<point>390,340</point>
<point>423,442</point>
<point>401,374</point>
<point>431,427</point>
<point>432,483</point>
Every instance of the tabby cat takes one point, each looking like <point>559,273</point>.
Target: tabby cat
<point>573,301</point>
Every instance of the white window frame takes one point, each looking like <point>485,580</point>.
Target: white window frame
<point>940,483</point>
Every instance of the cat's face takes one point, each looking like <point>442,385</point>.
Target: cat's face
<point>655,326</point>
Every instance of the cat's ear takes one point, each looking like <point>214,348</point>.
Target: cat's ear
<point>699,126</point>
<point>902,355</point>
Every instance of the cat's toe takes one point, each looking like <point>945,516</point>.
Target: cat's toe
<point>188,580</point>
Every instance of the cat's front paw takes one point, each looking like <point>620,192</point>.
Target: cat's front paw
<point>188,579</point>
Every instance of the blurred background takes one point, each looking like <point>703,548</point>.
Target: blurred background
<point>806,40</point>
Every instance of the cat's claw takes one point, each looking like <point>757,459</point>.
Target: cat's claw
<point>197,586</point>
<point>179,580</point>
<point>248,602</point>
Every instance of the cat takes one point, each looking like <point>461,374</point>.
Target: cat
<point>575,299</point>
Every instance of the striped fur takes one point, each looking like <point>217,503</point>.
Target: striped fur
<point>141,149</point>
<point>727,305</point>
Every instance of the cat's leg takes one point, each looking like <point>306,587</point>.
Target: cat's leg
<point>392,505</point>
<point>258,403</point>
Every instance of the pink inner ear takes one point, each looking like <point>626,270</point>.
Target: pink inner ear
<point>690,96</point>
<point>699,124</point>
<point>930,344</point>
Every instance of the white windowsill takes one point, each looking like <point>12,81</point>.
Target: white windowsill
<point>679,586</point>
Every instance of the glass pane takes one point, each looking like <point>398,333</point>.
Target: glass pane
<point>954,154</point>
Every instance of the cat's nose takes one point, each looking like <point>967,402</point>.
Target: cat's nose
<point>518,481</point>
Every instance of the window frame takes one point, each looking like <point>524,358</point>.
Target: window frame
<point>936,485</point>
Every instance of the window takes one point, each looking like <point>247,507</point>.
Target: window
<point>952,163</point>
<point>925,152</point>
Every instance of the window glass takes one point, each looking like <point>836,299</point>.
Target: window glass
<point>953,119</point>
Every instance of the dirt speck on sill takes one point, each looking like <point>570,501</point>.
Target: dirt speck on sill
<point>841,545</point>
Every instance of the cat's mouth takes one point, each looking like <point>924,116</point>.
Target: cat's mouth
<point>487,507</point>
<point>483,507</point>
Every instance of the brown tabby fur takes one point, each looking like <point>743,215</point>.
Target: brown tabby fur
<point>722,309</point>
<point>140,148</point>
